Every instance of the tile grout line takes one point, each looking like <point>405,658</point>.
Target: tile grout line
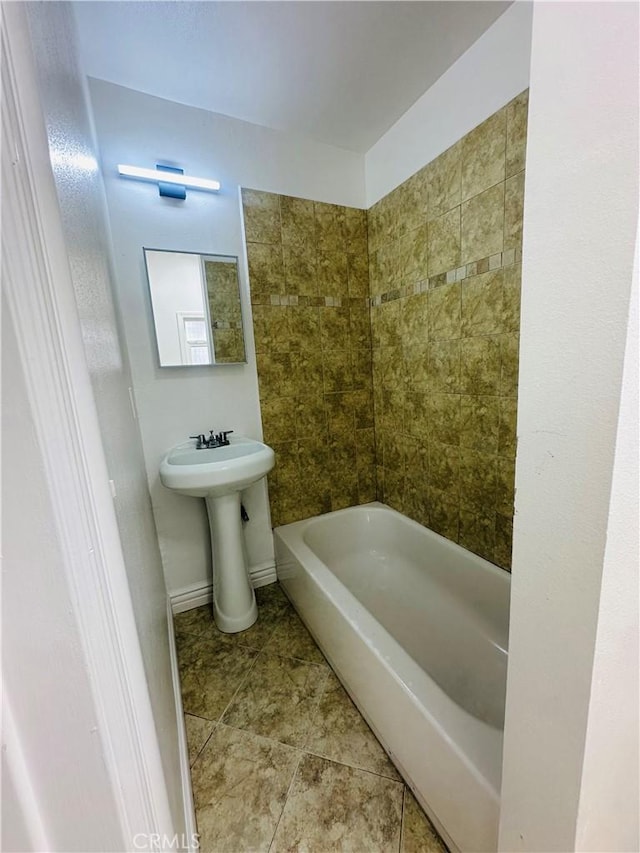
<point>201,750</point>
<point>404,800</point>
<point>356,767</point>
<point>286,799</point>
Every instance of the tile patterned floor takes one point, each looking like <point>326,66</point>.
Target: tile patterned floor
<point>281,759</point>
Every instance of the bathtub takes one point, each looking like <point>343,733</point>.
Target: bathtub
<point>416,629</point>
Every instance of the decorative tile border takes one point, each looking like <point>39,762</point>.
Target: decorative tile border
<point>318,301</point>
<point>493,262</point>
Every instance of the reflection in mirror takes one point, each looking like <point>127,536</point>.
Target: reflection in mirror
<point>196,308</point>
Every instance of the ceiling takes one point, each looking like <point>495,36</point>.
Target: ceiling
<point>338,72</point>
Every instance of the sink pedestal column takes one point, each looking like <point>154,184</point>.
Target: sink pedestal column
<point>234,602</point>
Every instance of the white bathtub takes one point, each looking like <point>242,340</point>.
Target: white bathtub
<point>416,628</point>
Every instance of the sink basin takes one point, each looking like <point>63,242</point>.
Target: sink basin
<point>219,474</point>
<point>216,470</point>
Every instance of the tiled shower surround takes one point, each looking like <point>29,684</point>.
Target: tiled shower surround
<point>439,359</point>
<point>310,301</point>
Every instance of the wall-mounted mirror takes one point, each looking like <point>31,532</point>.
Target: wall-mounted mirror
<point>196,308</point>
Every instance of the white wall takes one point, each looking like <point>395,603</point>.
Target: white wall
<point>609,814</point>
<point>174,403</point>
<point>573,609</point>
<point>491,72</point>
<point>86,234</point>
<point>53,761</point>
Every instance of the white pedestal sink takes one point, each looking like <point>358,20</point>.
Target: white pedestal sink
<point>219,474</point>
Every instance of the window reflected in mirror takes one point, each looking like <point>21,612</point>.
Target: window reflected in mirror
<point>195,299</point>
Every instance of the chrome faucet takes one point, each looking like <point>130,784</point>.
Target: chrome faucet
<point>218,440</point>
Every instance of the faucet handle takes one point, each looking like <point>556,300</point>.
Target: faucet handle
<point>201,439</point>
<point>224,435</point>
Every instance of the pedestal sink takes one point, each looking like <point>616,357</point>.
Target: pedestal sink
<point>219,474</point>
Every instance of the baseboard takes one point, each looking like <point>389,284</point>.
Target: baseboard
<point>198,594</point>
<point>183,749</point>
<point>263,574</point>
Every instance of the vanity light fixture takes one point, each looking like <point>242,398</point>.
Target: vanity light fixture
<point>172,182</point>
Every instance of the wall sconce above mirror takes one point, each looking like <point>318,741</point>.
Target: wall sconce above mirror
<point>195,299</point>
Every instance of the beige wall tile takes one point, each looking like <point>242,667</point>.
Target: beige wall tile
<point>388,261</point>
<point>334,327</point>
<point>511,298</point>
<point>386,328</point>
<point>359,326</point>
<point>355,230</point>
<point>477,533</point>
<point>445,312</point>
<point>276,375</point>
<point>330,228</point>
<point>513,211</point>
<point>415,202</point>
<point>376,282</point>
<point>271,328</point>
<point>504,540</point>
<point>416,366</point>
<point>307,369</point>
<point>509,357</point>
<point>413,255</point>
<point>340,414</point>
<point>482,304</point>
<point>444,418</point>
<point>443,237</point>
<point>417,414</point>
<point>414,313</point>
<point>304,328</point>
<point>483,155</point>
<point>443,515</point>
<point>333,277</point>
<point>479,423</point>
<point>266,271</point>
<point>507,431</point>
<point>478,480</point>
<point>261,217</point>
<point>298,224</point>
<point>392,409</point>
<point>278,424</point>
<point>517,111</point>
<point>444,181</point>
<point>300,270</point>
<point>337,371</point>
<point>444,366</point>
<point>505,486</point>
<point>416,458</point>
<point>390,365</point>
<point>358,274</point>
<point>387,219</point>
<point>482,225</point>
<point>416,499</point>
<point>361,368</point>
<point>310,417</point>
<point>480,370</point>
<point>444,469</point>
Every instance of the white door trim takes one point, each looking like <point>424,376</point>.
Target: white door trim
<point>39,294</point>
